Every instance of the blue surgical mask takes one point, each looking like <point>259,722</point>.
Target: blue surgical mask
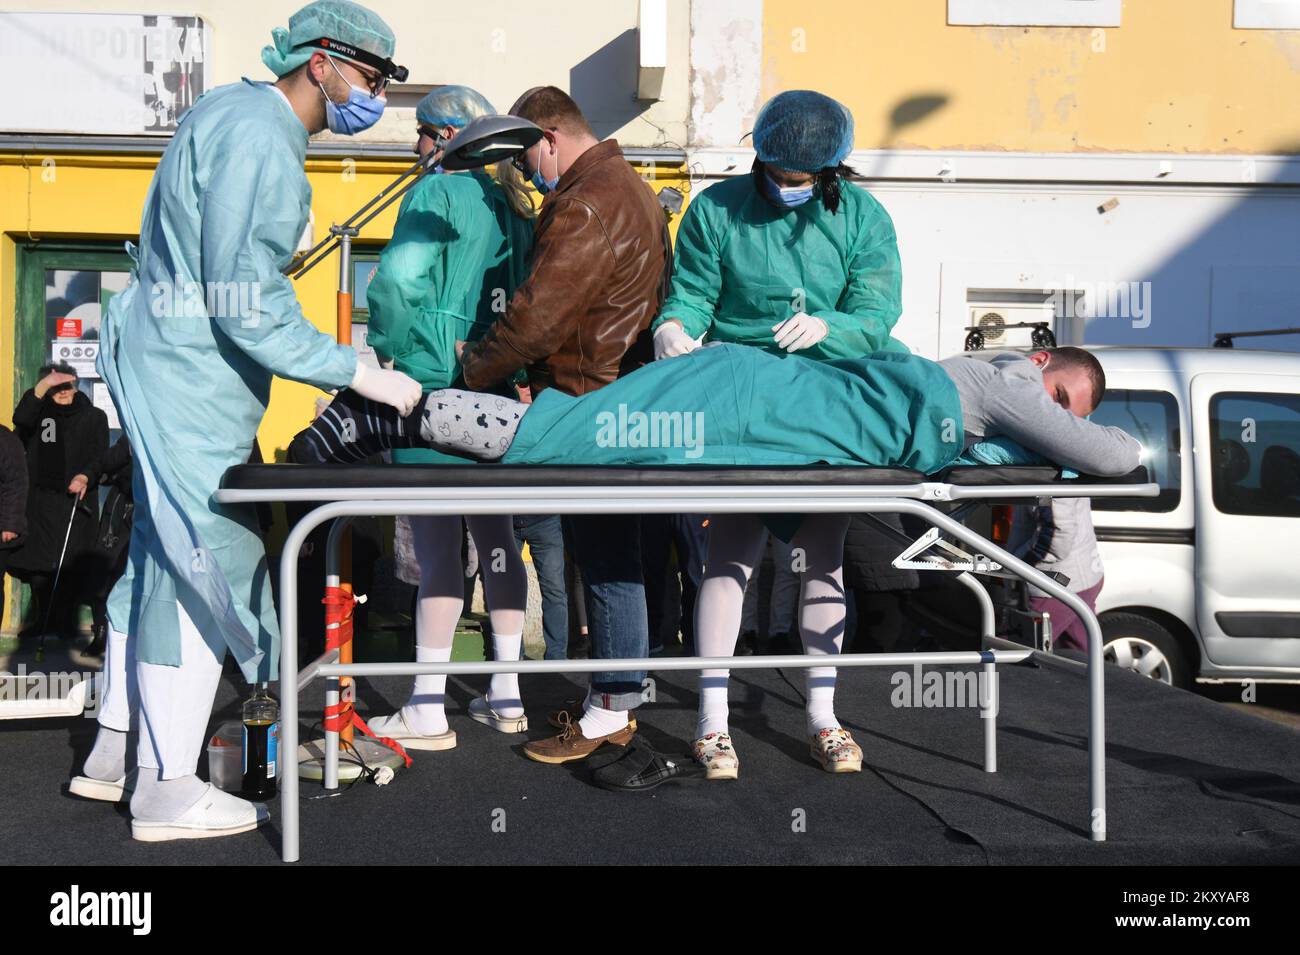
<point>788,196</point>
<point>540,182</point>
<point>544,185</point>
<point>360,112</point>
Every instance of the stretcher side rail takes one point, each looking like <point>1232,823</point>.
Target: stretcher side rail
<point>640,493</point>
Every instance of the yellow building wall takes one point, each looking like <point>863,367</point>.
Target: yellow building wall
<point>92,198</point>
<point>1174,77</point>
<point>99,199</point>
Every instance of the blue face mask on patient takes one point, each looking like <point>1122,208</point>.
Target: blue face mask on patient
<point>788,196</point>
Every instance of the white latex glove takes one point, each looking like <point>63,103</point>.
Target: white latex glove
<point>671,341</point>
<point>387,387</point>
<point>799,332</point>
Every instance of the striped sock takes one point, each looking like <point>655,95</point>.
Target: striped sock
<point>352,429</point>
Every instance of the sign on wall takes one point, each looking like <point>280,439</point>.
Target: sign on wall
<point>1266,14</point>
<point>75,300</point>
<point>102,73</point>
<point>1035,13</point>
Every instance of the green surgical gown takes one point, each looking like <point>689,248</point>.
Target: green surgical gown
<point>456,257</point>
<point>743,265</point>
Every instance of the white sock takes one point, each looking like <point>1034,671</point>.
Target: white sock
<point>107,759</point>
<point>425,712</point>
<point>821,699</point>
<point>597,722</point>
<point>164,800</point>
<point>503,692</point>
<point>713,703</point>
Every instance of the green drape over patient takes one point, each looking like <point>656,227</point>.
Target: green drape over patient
<point>733,405</point>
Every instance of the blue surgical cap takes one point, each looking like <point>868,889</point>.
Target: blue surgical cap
<point>803,131</point>
<point>452,106</point>
<point>341,20</point>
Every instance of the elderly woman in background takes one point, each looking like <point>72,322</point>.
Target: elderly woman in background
<point>66,437</point>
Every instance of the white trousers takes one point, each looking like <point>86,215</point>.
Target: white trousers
<point>174,703</point>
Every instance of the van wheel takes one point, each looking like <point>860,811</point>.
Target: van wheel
<point>1145,647</point>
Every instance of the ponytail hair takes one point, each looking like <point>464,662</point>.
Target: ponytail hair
<point>516,191</point>
<point>828,180</point>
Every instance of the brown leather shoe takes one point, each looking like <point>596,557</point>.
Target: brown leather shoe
<point>571,744</point>
<point>573,712</point>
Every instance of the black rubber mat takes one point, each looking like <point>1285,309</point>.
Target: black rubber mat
<point>1190,781</point>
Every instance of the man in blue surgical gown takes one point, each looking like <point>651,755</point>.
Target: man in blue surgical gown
<point>189,351</point>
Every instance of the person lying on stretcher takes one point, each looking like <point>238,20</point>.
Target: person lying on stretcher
<point>729,405</point>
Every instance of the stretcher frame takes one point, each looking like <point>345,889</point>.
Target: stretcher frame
<point>918,499</point>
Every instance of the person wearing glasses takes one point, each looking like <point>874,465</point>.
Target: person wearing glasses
<point>223,216</point>
<point>459,250</point>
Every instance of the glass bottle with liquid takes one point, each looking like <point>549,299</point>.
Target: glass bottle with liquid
<point>261,744</point>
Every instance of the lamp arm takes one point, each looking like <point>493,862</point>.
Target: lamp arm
<point>322,249</point>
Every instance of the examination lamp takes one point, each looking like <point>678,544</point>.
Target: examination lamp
<point>483,141</point>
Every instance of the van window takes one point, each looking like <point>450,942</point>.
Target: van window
<point>1256,448</point>
<point>1152,418</point>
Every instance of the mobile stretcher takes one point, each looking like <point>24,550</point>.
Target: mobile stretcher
<point>341,492</point>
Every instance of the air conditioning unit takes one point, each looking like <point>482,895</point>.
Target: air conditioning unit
<point>1010,325</point>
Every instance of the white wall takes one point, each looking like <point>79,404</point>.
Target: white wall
<point>1218,256</point>
<point>726,70</point>
<point>500,47</point>
<point>1216,259</point>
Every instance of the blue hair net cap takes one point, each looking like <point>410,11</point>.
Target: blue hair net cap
<point>341,20</point>
<point>452,106</point>
<point>803,131</point>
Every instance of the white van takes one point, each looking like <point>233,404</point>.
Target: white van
<point>1201,583</point>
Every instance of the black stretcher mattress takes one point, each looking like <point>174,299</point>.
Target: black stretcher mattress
<point>262,477</point>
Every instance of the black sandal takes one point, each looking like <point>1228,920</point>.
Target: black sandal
<point>635,767</point>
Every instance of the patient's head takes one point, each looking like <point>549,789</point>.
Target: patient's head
<point>1073,377</point>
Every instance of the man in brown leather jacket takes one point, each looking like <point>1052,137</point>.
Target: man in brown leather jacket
<point>600,268</point>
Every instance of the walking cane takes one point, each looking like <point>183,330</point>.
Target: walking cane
<point>40,647</point>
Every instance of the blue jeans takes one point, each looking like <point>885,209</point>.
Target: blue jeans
<point>545,539</point>
<point>607,549</point>
<point>660,534</point>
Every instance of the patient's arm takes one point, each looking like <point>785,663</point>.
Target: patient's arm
<point>1021,409</point>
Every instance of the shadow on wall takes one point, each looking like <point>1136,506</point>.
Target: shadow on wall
<point>906,112</point>
<point>604,85</point>
<point>1239,272</point>
<point>912,110</point>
